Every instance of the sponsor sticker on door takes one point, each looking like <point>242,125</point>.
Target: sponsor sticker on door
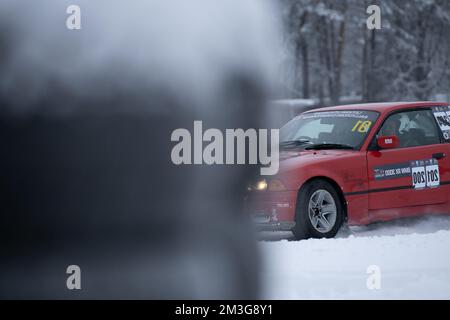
<point>392,171</point>
<point>424,173</point>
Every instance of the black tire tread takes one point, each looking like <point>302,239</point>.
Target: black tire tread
<point>303,228</point>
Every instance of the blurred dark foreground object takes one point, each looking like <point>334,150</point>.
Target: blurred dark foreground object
<point>86,176</point>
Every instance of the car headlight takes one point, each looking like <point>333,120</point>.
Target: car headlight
<point>263,185</point>
<point>259,185</point>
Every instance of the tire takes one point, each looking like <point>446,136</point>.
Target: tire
<point>319,211</point>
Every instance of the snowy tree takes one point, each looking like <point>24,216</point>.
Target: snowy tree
<point>336,55</point>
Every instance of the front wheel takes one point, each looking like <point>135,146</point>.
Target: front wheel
<point>319,212</point>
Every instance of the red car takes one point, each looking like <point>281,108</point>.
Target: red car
<point>357,163</point>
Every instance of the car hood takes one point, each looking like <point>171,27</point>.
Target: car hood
<point>293,159</point>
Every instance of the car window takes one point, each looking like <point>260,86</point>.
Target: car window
<point>313,129</point>
<point>345,127</point>
<point>413,128</point>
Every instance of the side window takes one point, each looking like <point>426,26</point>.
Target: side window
<point>413,128</point>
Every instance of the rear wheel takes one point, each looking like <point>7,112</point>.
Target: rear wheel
<point>319,212</point>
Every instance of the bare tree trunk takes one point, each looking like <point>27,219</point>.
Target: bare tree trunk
<point>321,52</point>
<point>371,74</point>
<point>305,68</point>
<point>365,67</point>
<point>338,63</point>
<point>333,47</point>
<point>368,65</point>
<point>327,52</point>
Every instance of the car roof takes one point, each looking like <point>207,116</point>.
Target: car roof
<point>382,107</point>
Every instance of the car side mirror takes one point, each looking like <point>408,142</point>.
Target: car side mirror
<point>387,142</point>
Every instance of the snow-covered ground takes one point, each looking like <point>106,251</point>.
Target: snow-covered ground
<point>413,257</point>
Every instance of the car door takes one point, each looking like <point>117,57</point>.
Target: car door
<point>411,174</point>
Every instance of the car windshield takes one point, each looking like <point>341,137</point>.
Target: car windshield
<point>333,129</point>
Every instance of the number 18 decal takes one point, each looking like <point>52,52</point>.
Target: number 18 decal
<point>425,174</point>
<point>362,126</point>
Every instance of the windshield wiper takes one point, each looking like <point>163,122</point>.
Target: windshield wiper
<point>294,143</point>
<point>325,146</point>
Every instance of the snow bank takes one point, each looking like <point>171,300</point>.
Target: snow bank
<point>413,257</point>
